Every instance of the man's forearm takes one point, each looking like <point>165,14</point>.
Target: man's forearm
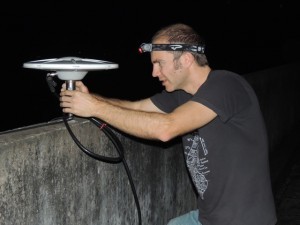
<point>117,102</point>
<point>137,123</point>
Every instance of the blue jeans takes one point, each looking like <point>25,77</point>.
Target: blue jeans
<point>190,218</point>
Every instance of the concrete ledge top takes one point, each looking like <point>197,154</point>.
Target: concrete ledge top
<point>15,135</point>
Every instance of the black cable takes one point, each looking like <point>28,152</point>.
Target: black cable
<point>108,133</point>
<point>117,145</point>
<point>112,137</point>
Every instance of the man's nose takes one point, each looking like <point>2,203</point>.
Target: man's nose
<point>155,72</point>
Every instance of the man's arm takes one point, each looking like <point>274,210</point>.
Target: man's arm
<point>155,125</point>
<point>142,118</point>
<point>142,105</point>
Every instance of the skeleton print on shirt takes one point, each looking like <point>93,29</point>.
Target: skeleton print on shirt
<point>196,153</point>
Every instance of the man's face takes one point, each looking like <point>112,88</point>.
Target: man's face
<point>166,69</point>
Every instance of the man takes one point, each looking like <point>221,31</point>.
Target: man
<point>218,116</point>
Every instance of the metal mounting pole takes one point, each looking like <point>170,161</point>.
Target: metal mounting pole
<point>70,85</point>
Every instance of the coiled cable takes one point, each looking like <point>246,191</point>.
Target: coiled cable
<point>112,137</point>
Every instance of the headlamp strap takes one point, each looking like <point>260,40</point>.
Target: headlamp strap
<point>146,47</point>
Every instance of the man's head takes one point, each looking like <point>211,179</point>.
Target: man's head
<point>185,35</point>
<point>177,55</point>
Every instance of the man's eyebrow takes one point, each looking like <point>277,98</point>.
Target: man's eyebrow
<point>158,61</point>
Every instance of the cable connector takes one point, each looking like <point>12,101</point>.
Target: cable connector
<point>51,83</point>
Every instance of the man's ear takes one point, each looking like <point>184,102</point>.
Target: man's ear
<point>187,59</point>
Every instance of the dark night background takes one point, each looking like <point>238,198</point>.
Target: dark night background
<point>240,36</point>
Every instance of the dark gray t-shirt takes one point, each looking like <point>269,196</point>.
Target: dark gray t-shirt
<point>227,158</point>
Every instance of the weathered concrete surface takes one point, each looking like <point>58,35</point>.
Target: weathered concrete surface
<point>45,179</point>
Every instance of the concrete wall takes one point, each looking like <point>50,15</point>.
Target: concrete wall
<point>45,179</point>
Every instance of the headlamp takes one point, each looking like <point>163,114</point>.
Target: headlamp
<point>147,47</point>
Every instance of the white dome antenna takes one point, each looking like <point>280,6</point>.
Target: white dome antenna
<point>70,68</point>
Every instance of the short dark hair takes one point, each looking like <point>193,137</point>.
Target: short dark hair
<point>180,33</point>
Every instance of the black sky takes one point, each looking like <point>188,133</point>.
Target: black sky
<point>240,36</point>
